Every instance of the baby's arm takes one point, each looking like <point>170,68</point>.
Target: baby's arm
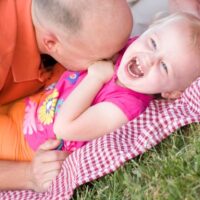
<point>77,119</point>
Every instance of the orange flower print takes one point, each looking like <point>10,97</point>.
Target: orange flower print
<point>47,110</point>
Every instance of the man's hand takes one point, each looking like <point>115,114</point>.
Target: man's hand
<point>36,175</point>
<point>46,165</point>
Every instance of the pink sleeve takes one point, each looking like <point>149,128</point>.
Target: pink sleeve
<point>131,106</point>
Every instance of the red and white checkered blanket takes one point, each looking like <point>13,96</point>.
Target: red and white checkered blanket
<point>106,154</point>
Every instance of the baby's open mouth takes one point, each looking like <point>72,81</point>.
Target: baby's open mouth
<point>134,68</point>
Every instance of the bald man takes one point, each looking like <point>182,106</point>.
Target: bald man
<point>75,33</point>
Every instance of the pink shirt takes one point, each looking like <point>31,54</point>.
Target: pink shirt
<point>41,112</point>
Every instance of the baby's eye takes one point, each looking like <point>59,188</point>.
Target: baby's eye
<point>164,66</point>
<point>153,43</point>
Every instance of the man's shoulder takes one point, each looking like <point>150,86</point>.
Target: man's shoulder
<point>7,36</point>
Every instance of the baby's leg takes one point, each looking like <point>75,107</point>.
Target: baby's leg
<point>12,142</point>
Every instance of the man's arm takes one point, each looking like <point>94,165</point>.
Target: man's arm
<point>35,175</point>
<point>14,175</point>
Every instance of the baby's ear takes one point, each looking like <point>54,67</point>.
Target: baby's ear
<point>171,95</point>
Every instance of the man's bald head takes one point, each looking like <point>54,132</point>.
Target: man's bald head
<point>99,27</point>
<point>65,14</point>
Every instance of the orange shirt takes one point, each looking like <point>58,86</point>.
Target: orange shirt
<point>21,73</point>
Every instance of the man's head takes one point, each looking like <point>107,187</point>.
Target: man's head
<point>165,59</point>
<point>77,33</point>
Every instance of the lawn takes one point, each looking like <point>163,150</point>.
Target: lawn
<point>170,171</point>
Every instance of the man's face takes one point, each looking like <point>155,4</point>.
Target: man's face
<point>100,38</point>
<point>78,53</point>
<point>163,59</point>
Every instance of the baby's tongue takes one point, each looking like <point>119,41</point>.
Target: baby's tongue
<point>134,69</point>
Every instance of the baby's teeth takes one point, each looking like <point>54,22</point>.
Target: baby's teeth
<point>140,68</point>
<point>137,61</point>
<point>138,65</point>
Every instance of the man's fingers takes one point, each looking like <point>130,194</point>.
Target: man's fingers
<point>46,165</point>
<point>49,145</point>
<point>51,156</point>
<point>53,166</point>
<point>49,177</point>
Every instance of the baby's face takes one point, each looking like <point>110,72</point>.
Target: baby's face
<point>163,59</point>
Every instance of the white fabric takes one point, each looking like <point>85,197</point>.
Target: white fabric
<point>144,12</point>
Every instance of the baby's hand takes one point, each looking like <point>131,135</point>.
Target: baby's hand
<point>102,70</point>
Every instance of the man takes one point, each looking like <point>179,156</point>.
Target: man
<point>75,33</point>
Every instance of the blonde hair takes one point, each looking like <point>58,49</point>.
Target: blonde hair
<point>193,23</point>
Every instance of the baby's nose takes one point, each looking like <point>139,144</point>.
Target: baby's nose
<point>148,60</point>
<point>152,59</point>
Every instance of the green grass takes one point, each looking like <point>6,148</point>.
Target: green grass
<point>170,171</point>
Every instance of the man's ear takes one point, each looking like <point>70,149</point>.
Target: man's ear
<point>50,43</point>
<point>171,95</point>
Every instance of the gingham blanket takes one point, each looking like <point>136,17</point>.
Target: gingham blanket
<point>106,154</point>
